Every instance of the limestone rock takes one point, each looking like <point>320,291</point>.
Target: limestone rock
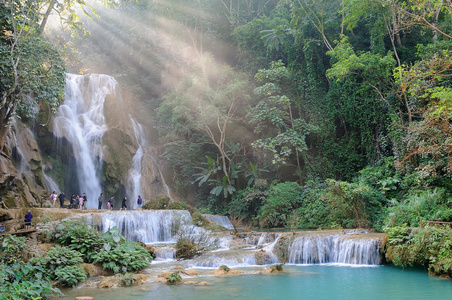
<point>191,272</point>
<point>93,270</point>
<point>164,275</point>
<point>226,271</point>
<point>106,283</point>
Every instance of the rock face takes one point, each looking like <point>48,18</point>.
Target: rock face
<point>22,181</point>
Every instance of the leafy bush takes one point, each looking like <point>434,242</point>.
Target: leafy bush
<point>246,203</point>
<point>78,236</point>
<point>159,202</point>
<point>25,281</point>
<point>123,257</point>
<point>186,249</point>
<point>174,278</point>
<point>60,257</point>
<point>13,249</point>
<point>282,199</point>
<point>425,205</point>
<point>69,275</point>
<point>429,246</point>
<point>63,265</point>
<point>127,279</point>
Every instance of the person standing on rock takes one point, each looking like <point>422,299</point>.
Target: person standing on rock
<point>100,200</point>
<point>110,203</point>
<point>61,197</point>
<point>27,220</point>
<point>124,203</point>
<point>53,198</point>
<point>139,201</point>
<point>85,200</point>
<point>72,201</point>
<point>80,201</point>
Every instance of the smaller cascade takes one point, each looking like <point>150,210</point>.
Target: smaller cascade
<point>165,253</point>
<point>322,249</point>
<point>148,226</point>
<point>51,185</point>
<point>223,221</point>
<point>138,170</point>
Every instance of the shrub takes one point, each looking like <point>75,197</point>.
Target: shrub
<point>246,203</point>
<point>60,257</point>
<point>429,246</point>
<point>159,202</point>
<point>13,249</point>
<point>25,281</point>
<point>126,256</point>
<point>127,279</point>
<point>282,199</point>
<point>186,249</point>
<point>78,236</point>
<point>425,204</point>
<point>174,278</point>
<point>69,275</point>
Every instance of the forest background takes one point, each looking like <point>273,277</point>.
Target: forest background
<point>290,113</point>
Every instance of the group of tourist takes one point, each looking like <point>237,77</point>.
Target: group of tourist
<point>76,201</point>
<point>110,202</point>
<point>79,202</point>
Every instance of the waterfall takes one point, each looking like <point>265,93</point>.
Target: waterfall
<point>134,181</point>
<point>51,185</point>
<point>147,226</point>
<point>134,177</point>
<point>220,220</point>
<point>321,249</point>
<point>80,119</point>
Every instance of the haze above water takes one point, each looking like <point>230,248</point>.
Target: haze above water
<point>297,282</point>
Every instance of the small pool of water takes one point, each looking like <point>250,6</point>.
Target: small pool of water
<point>296,282</point>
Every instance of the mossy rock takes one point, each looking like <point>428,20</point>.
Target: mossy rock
<point>159,202</point>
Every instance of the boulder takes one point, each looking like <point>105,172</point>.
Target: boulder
<point>106,283</point>
<point>191,272</point>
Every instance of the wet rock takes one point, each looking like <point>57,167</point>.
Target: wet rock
<point>93,270</point>
<point>273,269</point>
<point>191,272</point>
<point>106,283</point>
<point>164,275</point>
<point>223,270</point>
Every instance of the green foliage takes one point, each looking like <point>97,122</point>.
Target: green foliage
<point>63,265</point>
<point>80,237</point>
<point>159,202</point>
<point>24,281</point>
<point>127,279</point>
<point>246,203</point>
<point>429,246</point>
<point>282,199</point>
<point>421,205</point>
<point>123,257</point>
<point>69,275</point>
<point>13,249</point>
<point>174,278</point>
<point>224,268</point>
<point>186,249</point>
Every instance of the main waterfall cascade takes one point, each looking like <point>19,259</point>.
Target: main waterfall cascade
<point>80,119</point>
<point>162,228</point>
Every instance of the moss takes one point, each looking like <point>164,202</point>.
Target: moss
<point>159,202</point>
<point>9,201</point>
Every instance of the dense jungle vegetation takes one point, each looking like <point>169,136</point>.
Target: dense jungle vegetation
<point>289,113</point>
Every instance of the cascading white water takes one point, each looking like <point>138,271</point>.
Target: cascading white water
<point>148,226</point>
<point>134,177</point>
<point>51,185</point>
<point>220,220</point>
<point>323,249</point>
<point>80,119</point>
<point>134,181</point>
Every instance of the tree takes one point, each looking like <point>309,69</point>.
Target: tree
<point>274,115</point>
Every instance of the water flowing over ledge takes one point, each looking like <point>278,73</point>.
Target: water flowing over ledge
<point>162,228</point>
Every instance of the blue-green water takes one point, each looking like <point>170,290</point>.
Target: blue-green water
<point>297,282</point>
